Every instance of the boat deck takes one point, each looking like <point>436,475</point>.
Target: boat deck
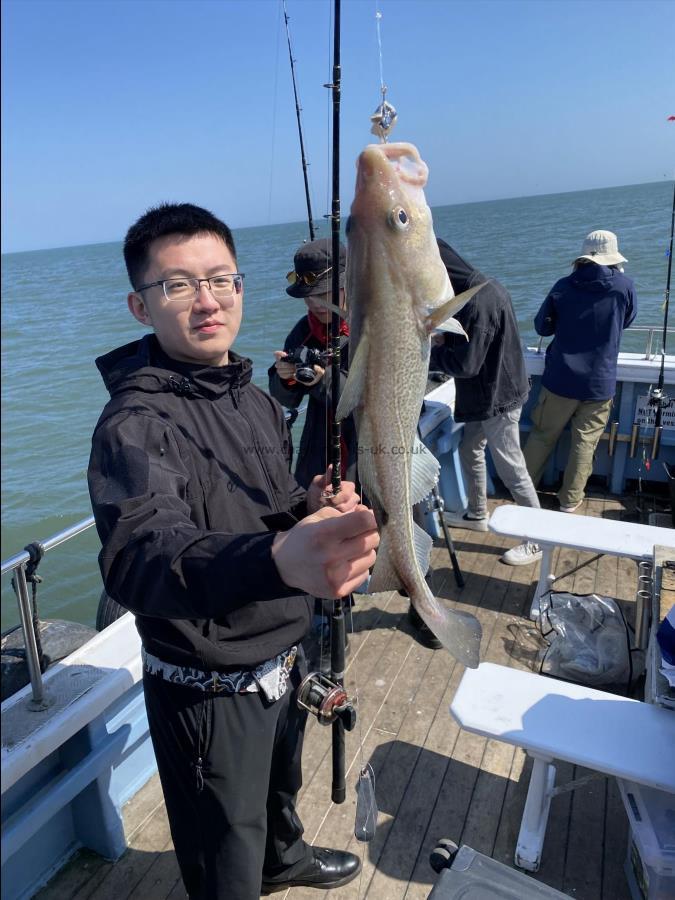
<point>433,779</point>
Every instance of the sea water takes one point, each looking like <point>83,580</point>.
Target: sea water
<point>62,308</point>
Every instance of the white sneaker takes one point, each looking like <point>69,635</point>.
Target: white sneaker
<point>522,555</point>
<point>571,509</point>
<point>457,520</point>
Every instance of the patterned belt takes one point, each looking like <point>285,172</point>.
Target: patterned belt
<point>270,677</point>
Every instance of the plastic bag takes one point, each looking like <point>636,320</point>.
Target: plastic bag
<point>588,641</point>
<point>366,805</point>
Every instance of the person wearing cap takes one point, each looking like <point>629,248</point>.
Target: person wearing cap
<point>311,280</point>
<point>586,313</point>
<point>491,387</point>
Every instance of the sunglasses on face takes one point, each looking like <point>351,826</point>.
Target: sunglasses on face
<point>308,278</point>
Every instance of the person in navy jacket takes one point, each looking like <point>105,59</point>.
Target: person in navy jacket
<point>586,313</point>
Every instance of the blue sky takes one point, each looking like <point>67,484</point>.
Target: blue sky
<point>110,106</point>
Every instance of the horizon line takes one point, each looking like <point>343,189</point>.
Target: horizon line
<point>236,228</point>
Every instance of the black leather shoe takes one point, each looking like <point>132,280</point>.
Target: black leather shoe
<point>326,869</point>
<point>424,633</point>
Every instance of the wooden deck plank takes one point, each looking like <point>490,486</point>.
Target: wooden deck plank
<point>433,780</point>
<point>144,849</point>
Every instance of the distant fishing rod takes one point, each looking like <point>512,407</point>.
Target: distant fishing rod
<point>658,397</point>
<point>302,143</point>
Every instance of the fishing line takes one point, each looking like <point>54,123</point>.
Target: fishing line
<point>384,117</point>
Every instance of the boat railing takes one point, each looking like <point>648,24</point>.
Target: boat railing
<point>31,556</point>
<point>651,350</point>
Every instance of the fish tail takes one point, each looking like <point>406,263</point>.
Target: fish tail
<point>459,632</point>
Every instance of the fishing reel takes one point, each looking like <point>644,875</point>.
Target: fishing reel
<point>326,700</point>
<point>660,401</point>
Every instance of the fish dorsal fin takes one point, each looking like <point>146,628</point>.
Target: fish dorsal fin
<point>423,472</point>
<point>441,316</point>
<point>353,391</point>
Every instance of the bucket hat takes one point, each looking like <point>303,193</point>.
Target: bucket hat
<point>312,270</point>
<point>601,247</point>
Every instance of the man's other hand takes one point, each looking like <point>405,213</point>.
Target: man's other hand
<point>327,554</point>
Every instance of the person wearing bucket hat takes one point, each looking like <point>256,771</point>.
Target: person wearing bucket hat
<point>301,373</point>
<point>585,313</point>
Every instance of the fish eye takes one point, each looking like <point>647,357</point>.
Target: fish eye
<point>398,218</point>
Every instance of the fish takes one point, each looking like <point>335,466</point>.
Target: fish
<point>398,292</point>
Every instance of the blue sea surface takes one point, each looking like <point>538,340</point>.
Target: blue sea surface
<point>62,308</point>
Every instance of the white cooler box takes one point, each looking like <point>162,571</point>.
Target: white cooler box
<point>650,862</point>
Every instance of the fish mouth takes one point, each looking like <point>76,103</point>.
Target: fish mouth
<point>393,166</point>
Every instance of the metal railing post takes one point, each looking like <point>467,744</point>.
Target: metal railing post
<point>30,643</point>
<point>17,565</point>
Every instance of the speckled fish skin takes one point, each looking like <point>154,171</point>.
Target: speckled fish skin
<point>395,279</point>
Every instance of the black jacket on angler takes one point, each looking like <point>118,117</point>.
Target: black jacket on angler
<point>489,368</point>
<point>189,482</point>
<point>313,453</point>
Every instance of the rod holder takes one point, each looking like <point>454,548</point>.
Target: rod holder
<point>656,442</point>
<point>613,429</point>
<point>643,599</point>
<point>634,437</point>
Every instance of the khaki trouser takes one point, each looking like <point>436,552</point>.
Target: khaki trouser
<point>587,420</point>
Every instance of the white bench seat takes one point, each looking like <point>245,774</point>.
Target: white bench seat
<point>552,529</point>
<point>552,719</point>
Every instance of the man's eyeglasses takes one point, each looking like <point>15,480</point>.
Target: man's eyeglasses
<point>308,278</point>
<point>187,289</point>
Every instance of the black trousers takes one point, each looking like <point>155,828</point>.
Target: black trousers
<point>230,768</point>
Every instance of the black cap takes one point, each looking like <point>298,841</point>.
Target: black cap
<point>314,259</point>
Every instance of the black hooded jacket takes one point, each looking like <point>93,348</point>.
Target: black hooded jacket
<point>189,482</point>
<point>489,368</point>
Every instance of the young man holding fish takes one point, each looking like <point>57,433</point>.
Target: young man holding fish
<point>212,544</point>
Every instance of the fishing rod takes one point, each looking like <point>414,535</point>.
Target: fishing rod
<point>305,164</point>
<point>657,397</point>
<point>326,697</point>
<point>346,717</point>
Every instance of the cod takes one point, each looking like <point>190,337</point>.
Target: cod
<point>398,292</point>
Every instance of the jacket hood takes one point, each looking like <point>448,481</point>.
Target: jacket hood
<point>592,277</point>
<point>462,274</point>
<point>143,366</point>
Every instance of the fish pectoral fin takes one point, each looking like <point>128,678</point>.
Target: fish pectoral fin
<point>442,316</point>
<point>423,544</point>
<point>383,577</point>
<point>356,380</point>
<point>423,472</point>
<point>453,327</point>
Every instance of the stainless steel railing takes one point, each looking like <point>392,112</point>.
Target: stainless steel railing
<point>649,330</point>
<point>17,564</point>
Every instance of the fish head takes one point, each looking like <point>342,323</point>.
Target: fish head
<point>390,229</point>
